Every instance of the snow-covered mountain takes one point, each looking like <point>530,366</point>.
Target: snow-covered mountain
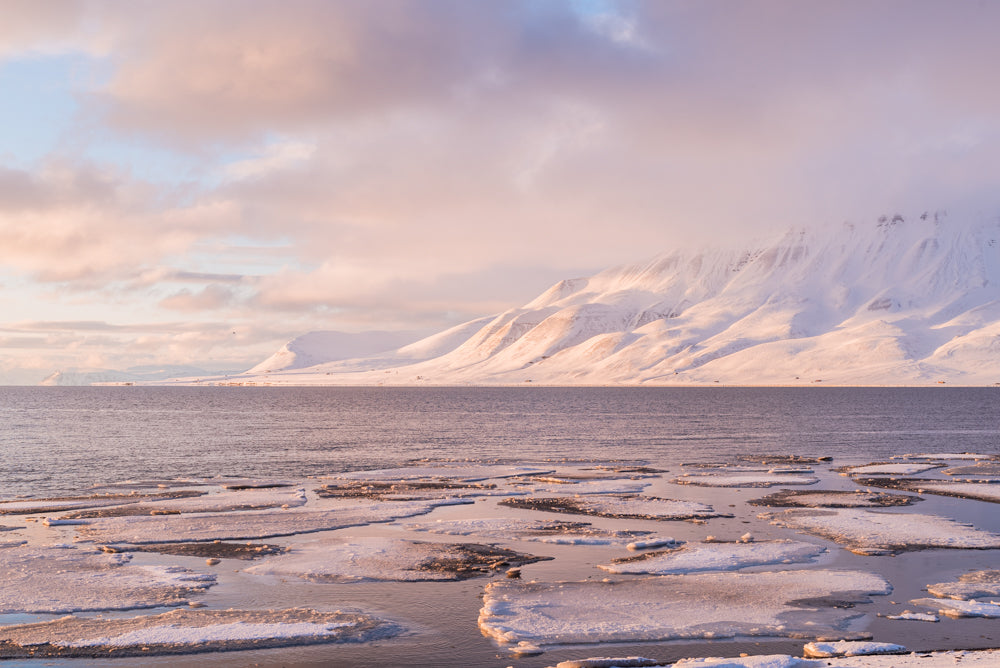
<point>900,301</point>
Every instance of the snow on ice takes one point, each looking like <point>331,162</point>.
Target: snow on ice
<point>977,584</point>
<point>58,579</point>
<point>794,604</point>
<point>743,479</point>
<point>620,506</point>
<point>870,532</point>
<point>828,498</point>
<point>249,524</point>
<point>387,559</point>
<point>541,530</point>
<point>953,608</point>
<point>825,650</point>
<point>965,658</point>
<point>242,499</point>
<point>183,631</point>
<point>889,469</point>
<point>695,557</point>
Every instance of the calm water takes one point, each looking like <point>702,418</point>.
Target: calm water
<point>61,440</point>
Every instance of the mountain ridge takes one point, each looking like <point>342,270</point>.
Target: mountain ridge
<point>902,301</point>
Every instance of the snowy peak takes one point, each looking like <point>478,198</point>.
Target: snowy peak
<point>900,301</point>
<point>320,347</point>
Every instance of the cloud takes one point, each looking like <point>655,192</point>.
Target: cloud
<point>210,298</point>
<point>409,163</point>
<point>87,225</point>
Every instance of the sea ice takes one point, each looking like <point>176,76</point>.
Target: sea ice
<point>248,483</point>
<point>540,486</point>
<point>978,490</point>
<point>625,507</point>
<point>245,525</point>
<point>889,469</point>
<point>68,580</point>
<point>953,608</point>
<point>610,662</point>
<point>244,499</point>
<point>829,498</point>
<point>909,615</point>
<point>977,584</point>
<point>64,503</point>
<point>542,531</point>
<point>442,472</point>
<point>388,559</point>
<point>406,490</point>
<point>990,468</point>
<point>988,658</point>
<point>942,456</point>
<point>761,661</point>
<point>870,532</point>
<point>743,479</point>
<point>695,557</point>
<point>187,631</point>
<point>825,650</point>
<point>791,604</point>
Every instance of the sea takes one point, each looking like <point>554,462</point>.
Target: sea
<point>58,440</point>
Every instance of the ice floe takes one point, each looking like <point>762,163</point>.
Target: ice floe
<point>830,498</point>
<point>248,483</point>
<point>870,532</point>
<point>442,472</point>
<point>541,486</point>
<point>977,584</point>
<point>952,608</point>
<point>825,650</point>
<point>252,524</point>
<point>38,579</point>
<point>890,469</point>
<point>795,604</point>
<point>620,506</point>
<point>610,662</point>
<point>389,559</point>
<point>949,659</point>
<point>989,468</point>
<point>64,503</point>
<point>695,557</point>
<point>946,456</point>
<point>978,490</point>
<point>909,615</point>
<point>243,499</point>
<point>216,549</point>
<point>186,631</point>
<point>540,530</point>
<point>743,479</point>
<point>406,490</point>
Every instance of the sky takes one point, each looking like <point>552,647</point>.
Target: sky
<point>197,182</point>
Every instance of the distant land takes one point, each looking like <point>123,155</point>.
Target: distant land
<point>899,301</point>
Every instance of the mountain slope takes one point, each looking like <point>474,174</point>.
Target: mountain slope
<point>903,301</point>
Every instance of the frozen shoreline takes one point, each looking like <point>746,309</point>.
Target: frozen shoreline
<point>629,541</point>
